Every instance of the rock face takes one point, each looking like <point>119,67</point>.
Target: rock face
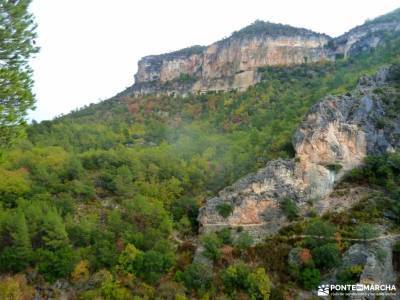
<point>230,63</point>
<point>335,136</point>
<point>233,63</point>
<point>375,260</point>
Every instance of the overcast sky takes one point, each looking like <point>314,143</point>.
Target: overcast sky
<point>90,48</point>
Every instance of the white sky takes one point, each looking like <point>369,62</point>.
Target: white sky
<point>90,48</point>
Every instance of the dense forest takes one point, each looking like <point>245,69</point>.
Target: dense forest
<point>104,201</point>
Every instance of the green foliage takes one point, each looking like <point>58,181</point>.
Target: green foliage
<point>17,32</point>
<point>117,183</point>
<point>212,244</point>
<point>319,228</point>
<point>381,254</point>
<point>366,231</point>
<point>240,277</point>
<point>224,209</point>
<point>243,241</point>
<point>185,78</point>
<point>396,247</point>
<point>151,265</point>
<point>128,257</point>
<point>196,277</point>
<point>310,278</point>
<point>382,172</point>
<point>290,209</point>
<point>259,285</point>
<point>13,184</point>
<point>334,167</point>
<point>55,264</point>
<point>326,256</point>
<point>18,254</point>
<point>272,29</point>
<point>225,236</point>
<point>109,288</point>
<point>235,277</point>
<point>350,275</point>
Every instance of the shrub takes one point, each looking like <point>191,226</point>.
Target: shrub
<point>350,275</point>
<point>211,244</point>
<point>381,255</point>
<point>239,277</point>
<point>326,256</point>
<point>310,278</point>
<point>366,231</point>
<point>235,277</point>
<point>225,236</point>
<point>56,264</point>
<point>81,272</point>
<point>259,285</point>
<point>151,265</point>
<point>224,209</point>
<point>244,240</point>
<point>290,209</point>
<point>196,277</point>
<point>319,228</point>
<point>15,288</point>
<point>334,167</point>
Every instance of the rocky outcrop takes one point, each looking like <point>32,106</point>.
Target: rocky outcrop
<point>233,63</point>
<point>230,63</point>
<point>367,36</point>
<point>374,260</point>
<point>334,137</point>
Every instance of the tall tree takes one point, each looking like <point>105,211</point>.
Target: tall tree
<point>17,45</point>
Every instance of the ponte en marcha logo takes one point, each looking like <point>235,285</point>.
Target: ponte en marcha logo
<point>356,289</point>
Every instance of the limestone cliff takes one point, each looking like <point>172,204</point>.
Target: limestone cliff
<point>334,137</point>
<point>230,63</point>
<point>233,63</point>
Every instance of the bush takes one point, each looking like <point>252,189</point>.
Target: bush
<point>15,288</point>
<point>224,209</point>
<point>350,275</point>
<point>335,167</point>
<point>56,264</point>
<point>211,244</point>
<point>290,209</point>
<point>235,277</point>
<point>196,277</point>
<point>319,228</point>
<point>326,256</point>
<point>244,240</point>
<point>310,278</point>
<point>366,231</point>
<point>225,236</point>
<point>239,277</point>
<point>151,265</point>
<point>259,285</point>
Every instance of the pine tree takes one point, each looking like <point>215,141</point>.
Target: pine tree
<point>18,255</point>
<point>17,44</point>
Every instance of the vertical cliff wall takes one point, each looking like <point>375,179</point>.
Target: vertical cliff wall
<point>232,63</point>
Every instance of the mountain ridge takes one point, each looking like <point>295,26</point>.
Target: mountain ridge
<point>233,62</point>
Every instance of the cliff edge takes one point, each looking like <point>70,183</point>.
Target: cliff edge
<point>232,63</point>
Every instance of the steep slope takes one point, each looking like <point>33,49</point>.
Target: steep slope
<point>233,63</point>
<point>104,201</point>
<point>335,137</point>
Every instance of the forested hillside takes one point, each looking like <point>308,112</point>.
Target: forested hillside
<point>106,198</point>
